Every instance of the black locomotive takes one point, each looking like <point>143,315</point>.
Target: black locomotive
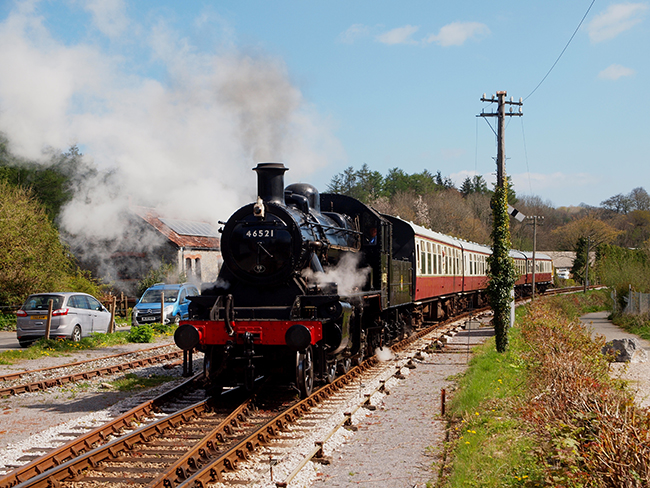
<point>312,284</point>
<point>274,308</point>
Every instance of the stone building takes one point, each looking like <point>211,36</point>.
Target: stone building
<point>152,239</point>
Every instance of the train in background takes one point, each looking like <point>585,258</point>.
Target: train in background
<point>314,283</point>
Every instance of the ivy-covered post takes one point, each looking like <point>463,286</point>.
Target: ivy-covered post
<point>502,272</point>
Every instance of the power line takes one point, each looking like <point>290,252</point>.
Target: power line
<point>565,48</point>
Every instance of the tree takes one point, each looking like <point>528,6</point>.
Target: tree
<point>52,183</point>
<point>618,203</point>
<point>640,199</point>
<point>600,232</point>
<point>364,185</point>
<point>582,247</point>
<point>32,257</point>
<point>474,185</point>
<point>444,182</point>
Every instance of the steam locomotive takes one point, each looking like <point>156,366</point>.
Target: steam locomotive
<point>312,284</point>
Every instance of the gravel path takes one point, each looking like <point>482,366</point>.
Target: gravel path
<point>401,443</point>
<point>637,374</point>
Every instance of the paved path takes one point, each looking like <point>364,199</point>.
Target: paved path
<point>400,444</point>
<point>636,374</point>
<point>601,325</point>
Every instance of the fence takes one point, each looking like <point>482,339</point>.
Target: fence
<point>637,303</point>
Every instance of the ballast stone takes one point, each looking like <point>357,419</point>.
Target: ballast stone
<point>625,350</point>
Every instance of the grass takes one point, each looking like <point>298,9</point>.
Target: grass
<point>63,347</point>
<point>491,446</point>
<point>497,437</point>
<point>635,324</point>
<point>132,382</point>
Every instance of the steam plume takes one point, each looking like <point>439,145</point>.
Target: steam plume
<point>346,274</point>
<point>185,145</point>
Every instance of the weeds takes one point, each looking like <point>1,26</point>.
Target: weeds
<point>635,324</point>
<point>132,382</point>
<point>546,413</point>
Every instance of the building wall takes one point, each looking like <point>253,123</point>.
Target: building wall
<point>200,265</point>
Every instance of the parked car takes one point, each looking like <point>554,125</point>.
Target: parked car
<point>563,273</point>
<point>147,310</point>
<point>74,316</point>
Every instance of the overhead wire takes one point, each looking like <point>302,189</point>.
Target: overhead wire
<point>563,50</point>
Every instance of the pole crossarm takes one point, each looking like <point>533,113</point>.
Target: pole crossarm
<point>500,99</point>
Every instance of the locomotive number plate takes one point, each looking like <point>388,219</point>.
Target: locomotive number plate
<point>257,233</point>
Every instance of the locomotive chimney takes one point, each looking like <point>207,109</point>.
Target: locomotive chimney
<point>270,182</point>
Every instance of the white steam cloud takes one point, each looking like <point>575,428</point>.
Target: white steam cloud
<point>346,274</point>
<point>183,141</point>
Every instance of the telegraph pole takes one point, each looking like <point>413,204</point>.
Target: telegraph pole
<point>501,128</point>
<point>502,275</point>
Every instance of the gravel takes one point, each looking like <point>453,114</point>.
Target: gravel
<point>399,444</point>
<point>30,422</point>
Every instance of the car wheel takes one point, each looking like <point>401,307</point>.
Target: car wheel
<point>76,334</point>
<point>24,344</point>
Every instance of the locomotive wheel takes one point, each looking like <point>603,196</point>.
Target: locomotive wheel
<point>330,373</point>
<point>344,365</point>
<point>305,372</point>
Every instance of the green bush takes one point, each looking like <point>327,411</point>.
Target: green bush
<point>7,321</point>
<point>32,257</point>
<point>141,334</point>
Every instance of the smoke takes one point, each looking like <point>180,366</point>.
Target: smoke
<point>384,354</point>
<point>168,122</point>
<point>346,274</point>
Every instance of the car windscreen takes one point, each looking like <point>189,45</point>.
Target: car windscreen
<point>153,296</point>
<point>40,302</point>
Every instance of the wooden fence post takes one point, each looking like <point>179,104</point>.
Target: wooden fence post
<point>48,324</point>
<point>111,325</point>
<point>162,307</point>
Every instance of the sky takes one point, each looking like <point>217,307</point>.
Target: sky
<point>176,102</point>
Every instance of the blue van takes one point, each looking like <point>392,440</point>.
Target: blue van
<point>147,310</point>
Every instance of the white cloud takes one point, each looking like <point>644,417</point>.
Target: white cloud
<point>354,32</point>
<point>399,35</point>
<point>615,71</point>
<point>616,19</point>
<point>109,16</point>
<point>456,33</point>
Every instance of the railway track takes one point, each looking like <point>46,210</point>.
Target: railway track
<point>171,401</point>
<point>41,379</point>
<point>205,441</point>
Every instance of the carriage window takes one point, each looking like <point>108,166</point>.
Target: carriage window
<point>435,259</point>
<point>423,259</point>
<point>429,270</point>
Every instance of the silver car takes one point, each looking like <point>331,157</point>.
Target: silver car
<point>74,315</point>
